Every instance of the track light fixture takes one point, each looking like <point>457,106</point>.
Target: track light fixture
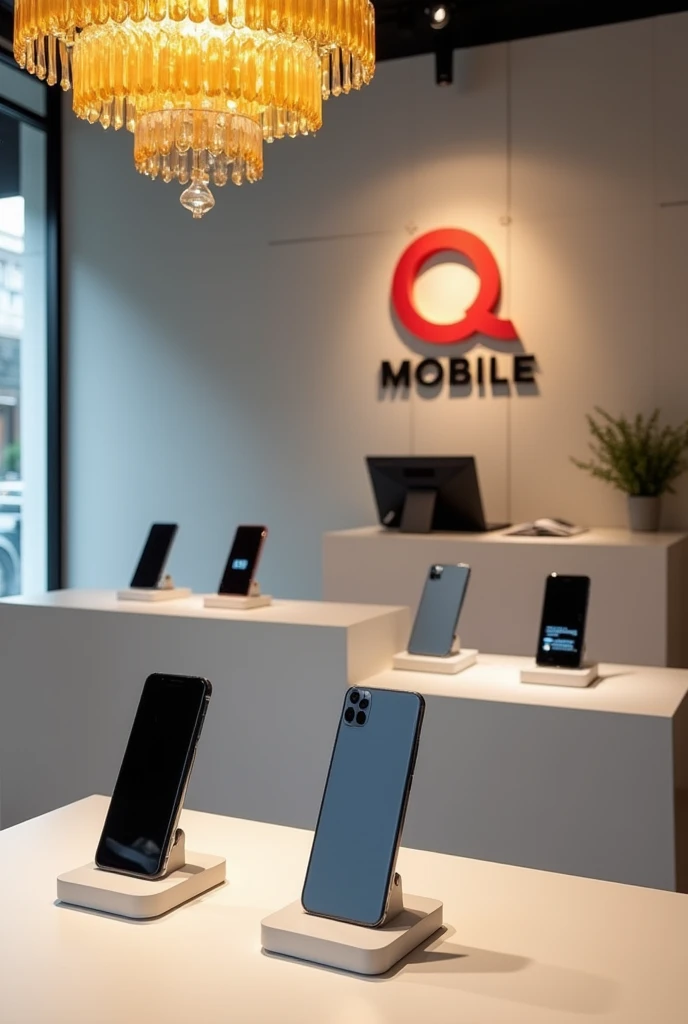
<point>444,64</point>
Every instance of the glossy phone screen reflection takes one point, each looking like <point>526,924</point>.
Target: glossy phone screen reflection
<point>243,560</point>
<point>562,629</point>
<point>154,556</point>
<point>152,777</point>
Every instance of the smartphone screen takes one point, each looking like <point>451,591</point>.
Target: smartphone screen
<point>154,556</point>
<point>243,560</point>
<point>562,630</point>
<point>362,813</point>
<point>437,618</point>
<point>146,802</point>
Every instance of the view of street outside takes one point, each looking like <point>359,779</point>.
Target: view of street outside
<point>11,328</point>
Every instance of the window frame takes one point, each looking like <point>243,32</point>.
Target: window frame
<point>51,124</point>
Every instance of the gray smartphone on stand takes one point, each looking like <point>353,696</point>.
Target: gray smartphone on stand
<point>354,852</point>
<point>435,627</point>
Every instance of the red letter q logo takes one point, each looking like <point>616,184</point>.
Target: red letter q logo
<point>479,317</point>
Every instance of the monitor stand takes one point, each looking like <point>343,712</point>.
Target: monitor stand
<point>418,511</point>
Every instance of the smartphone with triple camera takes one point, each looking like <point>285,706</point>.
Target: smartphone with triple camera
<point>240,570</point>
<point>141,823</point>
<point>156,550</point>
<point>354,852</point>
<point>435,628</point>
<point>561,640</point>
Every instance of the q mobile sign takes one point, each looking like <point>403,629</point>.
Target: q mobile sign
<point>479,322</point>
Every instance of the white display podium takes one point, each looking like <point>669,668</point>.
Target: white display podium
<point>292,932</point>
<point>188,876</point>
<point>587,781</point>
<point>520,946</point>
<point>638,599</point>
<point>73,663</point>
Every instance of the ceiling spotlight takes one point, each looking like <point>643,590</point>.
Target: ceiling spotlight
<point>439,15</point>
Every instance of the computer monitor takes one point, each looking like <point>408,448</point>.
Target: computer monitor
<point>417,493</point>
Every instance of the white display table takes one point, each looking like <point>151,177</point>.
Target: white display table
<point>520,947</point>
<point>638,601</point>
<point>582,781</point>
<point>73,663</point>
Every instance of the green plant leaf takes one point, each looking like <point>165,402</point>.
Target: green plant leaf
<point>635,456</point>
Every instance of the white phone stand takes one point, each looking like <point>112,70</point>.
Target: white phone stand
<point>242,603</point>
<point>188,876</point>
<point>165,591</point>
<point>560,676</point>
<point>451,665</point>
<point>351,947</point>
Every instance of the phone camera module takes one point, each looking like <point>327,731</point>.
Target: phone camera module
<point>361,718</point>
<point>354,696</point>
<point>436,572</point>
<point>349,715</point>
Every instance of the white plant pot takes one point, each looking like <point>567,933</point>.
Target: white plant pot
<point>643,513</point>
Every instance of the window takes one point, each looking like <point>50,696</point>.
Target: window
<point>27,290</point>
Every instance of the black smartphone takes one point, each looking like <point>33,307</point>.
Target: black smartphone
<point>240,570</point>
<point>148,572</point>
<point>357,837</point>
<point>141,824</point>
<point>562,630</point>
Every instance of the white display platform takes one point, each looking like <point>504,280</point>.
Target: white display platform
<point>586,781</point>
<point>346,947</point>
<point>78,661</point>
<point>237,603</point>
<point>139,898</point>
<point>153,593</point>
<point>547,676</point>
<point>519,946</point>
<point>638,599</point>
<point>448,666</point>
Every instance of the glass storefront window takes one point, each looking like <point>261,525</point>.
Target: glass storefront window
<point>23,347</point>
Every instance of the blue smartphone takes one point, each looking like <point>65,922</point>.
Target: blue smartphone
<point>357,837</point>
<point>437,619</point>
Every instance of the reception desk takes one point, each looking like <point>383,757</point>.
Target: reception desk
<point>638,599</point>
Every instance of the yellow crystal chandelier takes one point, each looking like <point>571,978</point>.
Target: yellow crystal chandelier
<point>200,83</point>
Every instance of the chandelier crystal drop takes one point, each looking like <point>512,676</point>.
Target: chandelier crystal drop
<point>200,83</point>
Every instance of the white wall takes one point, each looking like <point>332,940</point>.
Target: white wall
<point>226,370</point>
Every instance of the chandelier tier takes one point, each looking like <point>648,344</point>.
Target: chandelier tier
<point>200,83</point>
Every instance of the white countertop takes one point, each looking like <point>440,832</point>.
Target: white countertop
<point>624,689</point>
<point>298,613</point>
<point>594,537</point>
<point>521,946</point>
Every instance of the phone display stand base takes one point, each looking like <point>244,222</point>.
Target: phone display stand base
<point>165,591</point>
<point>189,875</point>
<point>238,602</point>
<point>350,947</point>
<point>454,663</point>
<point>560,676</point>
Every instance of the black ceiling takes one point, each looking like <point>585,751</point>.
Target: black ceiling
<point>403,27</point>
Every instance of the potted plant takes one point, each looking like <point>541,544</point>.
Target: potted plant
<point>639,458</point>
